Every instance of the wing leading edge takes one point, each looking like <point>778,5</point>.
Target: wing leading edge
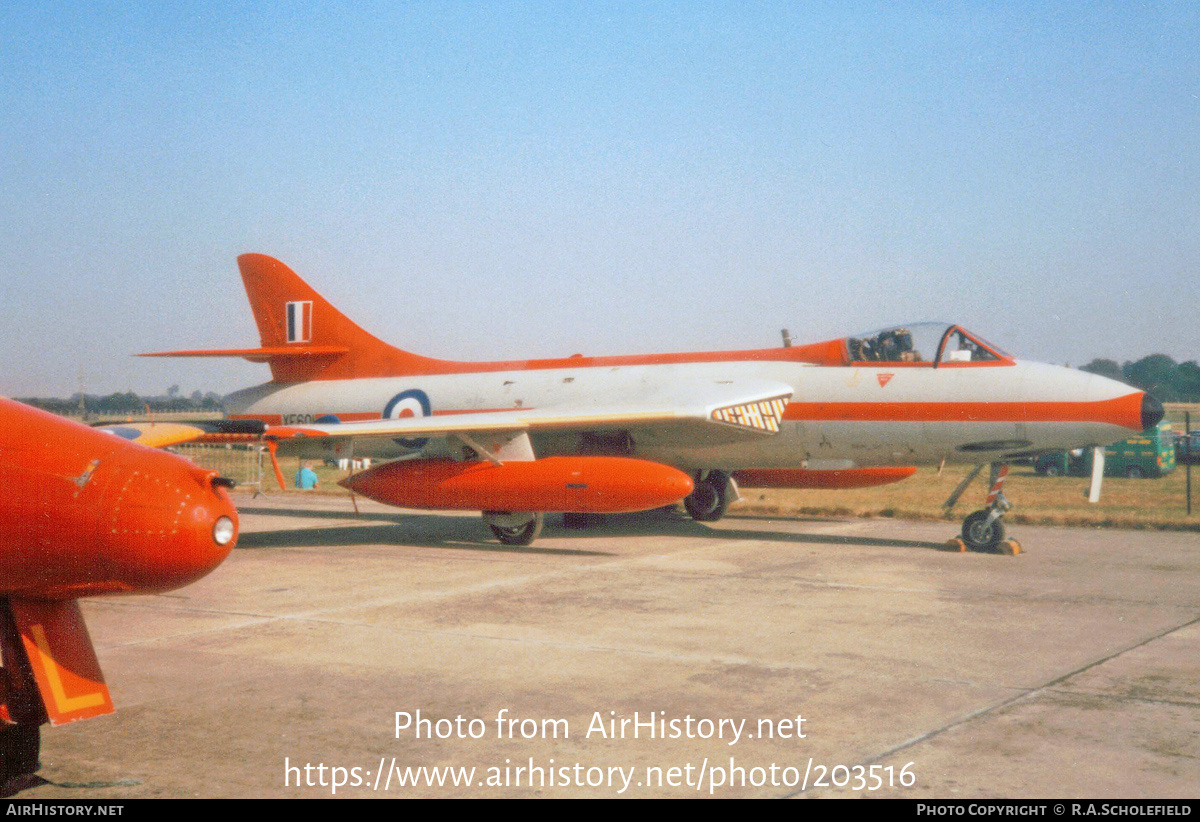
<point>727,411</point>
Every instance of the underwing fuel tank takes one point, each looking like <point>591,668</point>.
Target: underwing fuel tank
<point>583,484</point>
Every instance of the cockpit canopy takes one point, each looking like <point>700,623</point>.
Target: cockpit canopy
<point>928,343</point>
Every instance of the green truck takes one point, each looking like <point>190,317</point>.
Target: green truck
<point>1148,454</point>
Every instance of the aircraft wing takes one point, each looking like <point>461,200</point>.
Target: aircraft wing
<point>720,410</point>
<point>165,434</point>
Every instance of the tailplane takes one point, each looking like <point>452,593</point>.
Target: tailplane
<point>304,337</point>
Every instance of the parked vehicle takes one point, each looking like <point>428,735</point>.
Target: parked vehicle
<point>1149,454</point>
<point>1187,448</point>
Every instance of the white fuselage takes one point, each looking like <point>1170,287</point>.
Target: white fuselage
<point>859,415</point>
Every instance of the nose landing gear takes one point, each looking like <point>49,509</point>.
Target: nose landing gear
<point>983,530</point>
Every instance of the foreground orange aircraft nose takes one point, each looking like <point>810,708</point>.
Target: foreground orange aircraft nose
<point>83,513</point>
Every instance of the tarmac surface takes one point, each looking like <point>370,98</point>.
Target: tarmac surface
<point>1070,670</point>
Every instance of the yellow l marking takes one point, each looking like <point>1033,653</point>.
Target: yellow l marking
<point>65,704</point>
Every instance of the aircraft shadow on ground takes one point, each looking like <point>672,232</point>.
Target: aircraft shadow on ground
<point>310,513</point>
<point>833,539</point>
<point>470,533</point>
<point>423,531</point>
<point>678,524</point>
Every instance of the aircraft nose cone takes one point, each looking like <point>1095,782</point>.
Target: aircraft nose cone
<point>169,527</point>
<point>1152,411</point>
<point>207,532</point>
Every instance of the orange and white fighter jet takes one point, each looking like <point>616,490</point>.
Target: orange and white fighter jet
<point>586,435</point>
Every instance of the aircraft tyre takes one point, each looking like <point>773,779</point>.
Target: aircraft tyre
<point>521,534</point>
<point>979,535</point>
<point>709,499</point>
<point>577,520</point>
<point>19,748</point>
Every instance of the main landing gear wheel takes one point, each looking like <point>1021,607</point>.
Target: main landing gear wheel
<point>709,498</point>
<point>515,529</point>
<point>577,520</point>
<point>982,532</point>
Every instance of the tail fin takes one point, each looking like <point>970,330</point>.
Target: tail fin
<point>291,315</point>
<point>304,337</point>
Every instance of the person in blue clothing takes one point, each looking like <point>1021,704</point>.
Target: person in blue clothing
<point>306,478</point>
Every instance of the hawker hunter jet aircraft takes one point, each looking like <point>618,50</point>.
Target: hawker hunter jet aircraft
<point>85,513</point>
<point>585,435</point>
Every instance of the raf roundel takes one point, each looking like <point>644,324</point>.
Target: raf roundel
<point>411,403</point>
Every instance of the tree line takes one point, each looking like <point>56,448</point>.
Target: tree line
<point>89,405</point>
<point>1159,374</point>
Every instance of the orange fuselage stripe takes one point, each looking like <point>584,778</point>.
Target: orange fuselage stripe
<point>1121,411</point>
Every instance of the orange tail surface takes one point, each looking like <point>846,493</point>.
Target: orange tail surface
<point>304,337</point>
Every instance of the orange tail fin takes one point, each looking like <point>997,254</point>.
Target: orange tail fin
<point>304,337</point>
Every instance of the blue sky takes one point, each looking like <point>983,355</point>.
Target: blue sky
<point>500,180</point>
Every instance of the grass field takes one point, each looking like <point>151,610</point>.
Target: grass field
<point>1176,414</point>
<point>1036,499</point>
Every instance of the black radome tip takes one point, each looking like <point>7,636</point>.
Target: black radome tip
<point>1152,411</point>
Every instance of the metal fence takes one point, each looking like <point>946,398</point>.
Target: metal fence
<point>242,463</point>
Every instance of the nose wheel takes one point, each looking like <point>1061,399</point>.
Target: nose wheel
<point>984,529</point>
